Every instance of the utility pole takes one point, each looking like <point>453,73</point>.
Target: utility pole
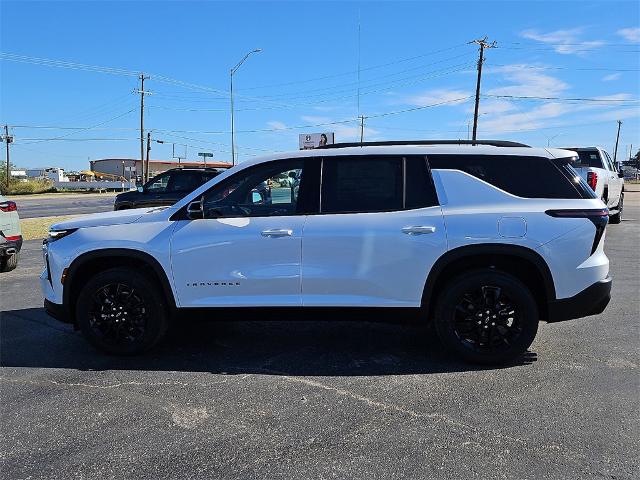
<point>8,139</point>
<point>483,44</point>
<point>615,151</point>
<point>361,117</point>
<point>142,93</point>
<point>146,167</point>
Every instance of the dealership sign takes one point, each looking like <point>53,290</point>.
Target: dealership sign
<point>309,141</point>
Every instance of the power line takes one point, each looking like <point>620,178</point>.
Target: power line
<point>85,128</point>
<point>576,99</point>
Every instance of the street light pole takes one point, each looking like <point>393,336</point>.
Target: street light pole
<point>232,71</point>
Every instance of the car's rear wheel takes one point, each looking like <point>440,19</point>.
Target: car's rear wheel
<point>486,316</point>
<point>8,263</point>
<point>120,312</point>
<point>617,218</point>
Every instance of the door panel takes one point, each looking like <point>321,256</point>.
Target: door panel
<point>235,261</point>
<point>370,259</point>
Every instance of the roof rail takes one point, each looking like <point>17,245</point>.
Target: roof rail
<point>494,143</point>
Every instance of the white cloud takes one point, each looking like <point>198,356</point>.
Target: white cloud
<point>630,34</point>
<point>436,96</point>
<point>345,133</point>
<point>523,120</point>
<point>528,80</point>
<point>620,114</point>
<point>276,125</point>
<point>315,119</point>
<point>613,76</point>
<point>563,41</point>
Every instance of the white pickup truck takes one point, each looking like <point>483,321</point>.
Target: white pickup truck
<point>597,168</point>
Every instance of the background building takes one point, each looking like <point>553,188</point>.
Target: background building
<point>130,168</point>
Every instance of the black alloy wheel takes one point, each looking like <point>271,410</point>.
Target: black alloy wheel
<point>118,314</point>
<point>486,316</point>
<point>121,311</point>
<point>486,319</point>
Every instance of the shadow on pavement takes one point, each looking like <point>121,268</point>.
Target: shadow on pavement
<point>30,338</point>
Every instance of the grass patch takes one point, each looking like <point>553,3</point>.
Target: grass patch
<point>37,228</point>
<point>28,186</point>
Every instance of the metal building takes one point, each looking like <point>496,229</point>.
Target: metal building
<point>130,168</point>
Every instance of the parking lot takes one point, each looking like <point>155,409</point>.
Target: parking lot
<point>322,399</point>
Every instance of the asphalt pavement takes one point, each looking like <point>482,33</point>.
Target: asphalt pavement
<point>50,205</point>
<point>334,399</point>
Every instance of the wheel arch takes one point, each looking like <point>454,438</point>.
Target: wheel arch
<point>522,262</point>
<point>92,262</point>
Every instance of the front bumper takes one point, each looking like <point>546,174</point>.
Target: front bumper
<point>590,301</point>
<point>57,311</point>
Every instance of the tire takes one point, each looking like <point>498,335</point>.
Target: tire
<point>8,263</point>
<point>503,334</point>
<point>617,218</point>
<point>101,312</point>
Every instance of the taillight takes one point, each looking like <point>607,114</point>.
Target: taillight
<point>598,216</point>
<point>593,214</point>
<point>592,180</point>
<point>8,206</point>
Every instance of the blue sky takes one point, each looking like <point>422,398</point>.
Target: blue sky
<point>412,55</point>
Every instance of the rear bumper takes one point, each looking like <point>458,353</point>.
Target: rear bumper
<point>9,247</point>
<point>57,311</point>
<point>590,301</point>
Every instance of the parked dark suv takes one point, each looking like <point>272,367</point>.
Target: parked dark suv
<point>166,188</point>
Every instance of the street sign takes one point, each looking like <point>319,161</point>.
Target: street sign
<point>205,154</point>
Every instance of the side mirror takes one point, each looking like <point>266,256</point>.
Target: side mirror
<point>140,189</point>
<point>293,175</point>
<point>195,209</point>
<point>621,173</point>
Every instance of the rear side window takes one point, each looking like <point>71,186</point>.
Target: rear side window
<point>528,177</point>
<point>184,182</point>
<point>361,184</point>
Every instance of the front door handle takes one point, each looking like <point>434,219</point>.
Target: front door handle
<point>277,232</point>
<point>418,230</point>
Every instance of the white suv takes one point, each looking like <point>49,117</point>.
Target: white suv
<point>459,233</point>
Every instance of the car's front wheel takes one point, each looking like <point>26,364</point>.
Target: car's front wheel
<point>486,316</point>
<point>120,312</point>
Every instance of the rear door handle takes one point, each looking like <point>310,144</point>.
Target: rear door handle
<point>418,230</point>
<point>277,232</point>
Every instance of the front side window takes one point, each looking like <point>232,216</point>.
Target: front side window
<point>266,190</point>
<point>158,184</point>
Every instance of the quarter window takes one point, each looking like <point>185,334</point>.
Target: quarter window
<point>529,177</point>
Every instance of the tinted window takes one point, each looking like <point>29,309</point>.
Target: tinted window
<point>184,182</point>
<point>270,189</point>
<point>588,158</point>
<point>361,184</point>
<point>158,184</point>
<point>529,177</point>
<point>419,189</point>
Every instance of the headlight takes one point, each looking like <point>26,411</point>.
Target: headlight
<point>58,234</point>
